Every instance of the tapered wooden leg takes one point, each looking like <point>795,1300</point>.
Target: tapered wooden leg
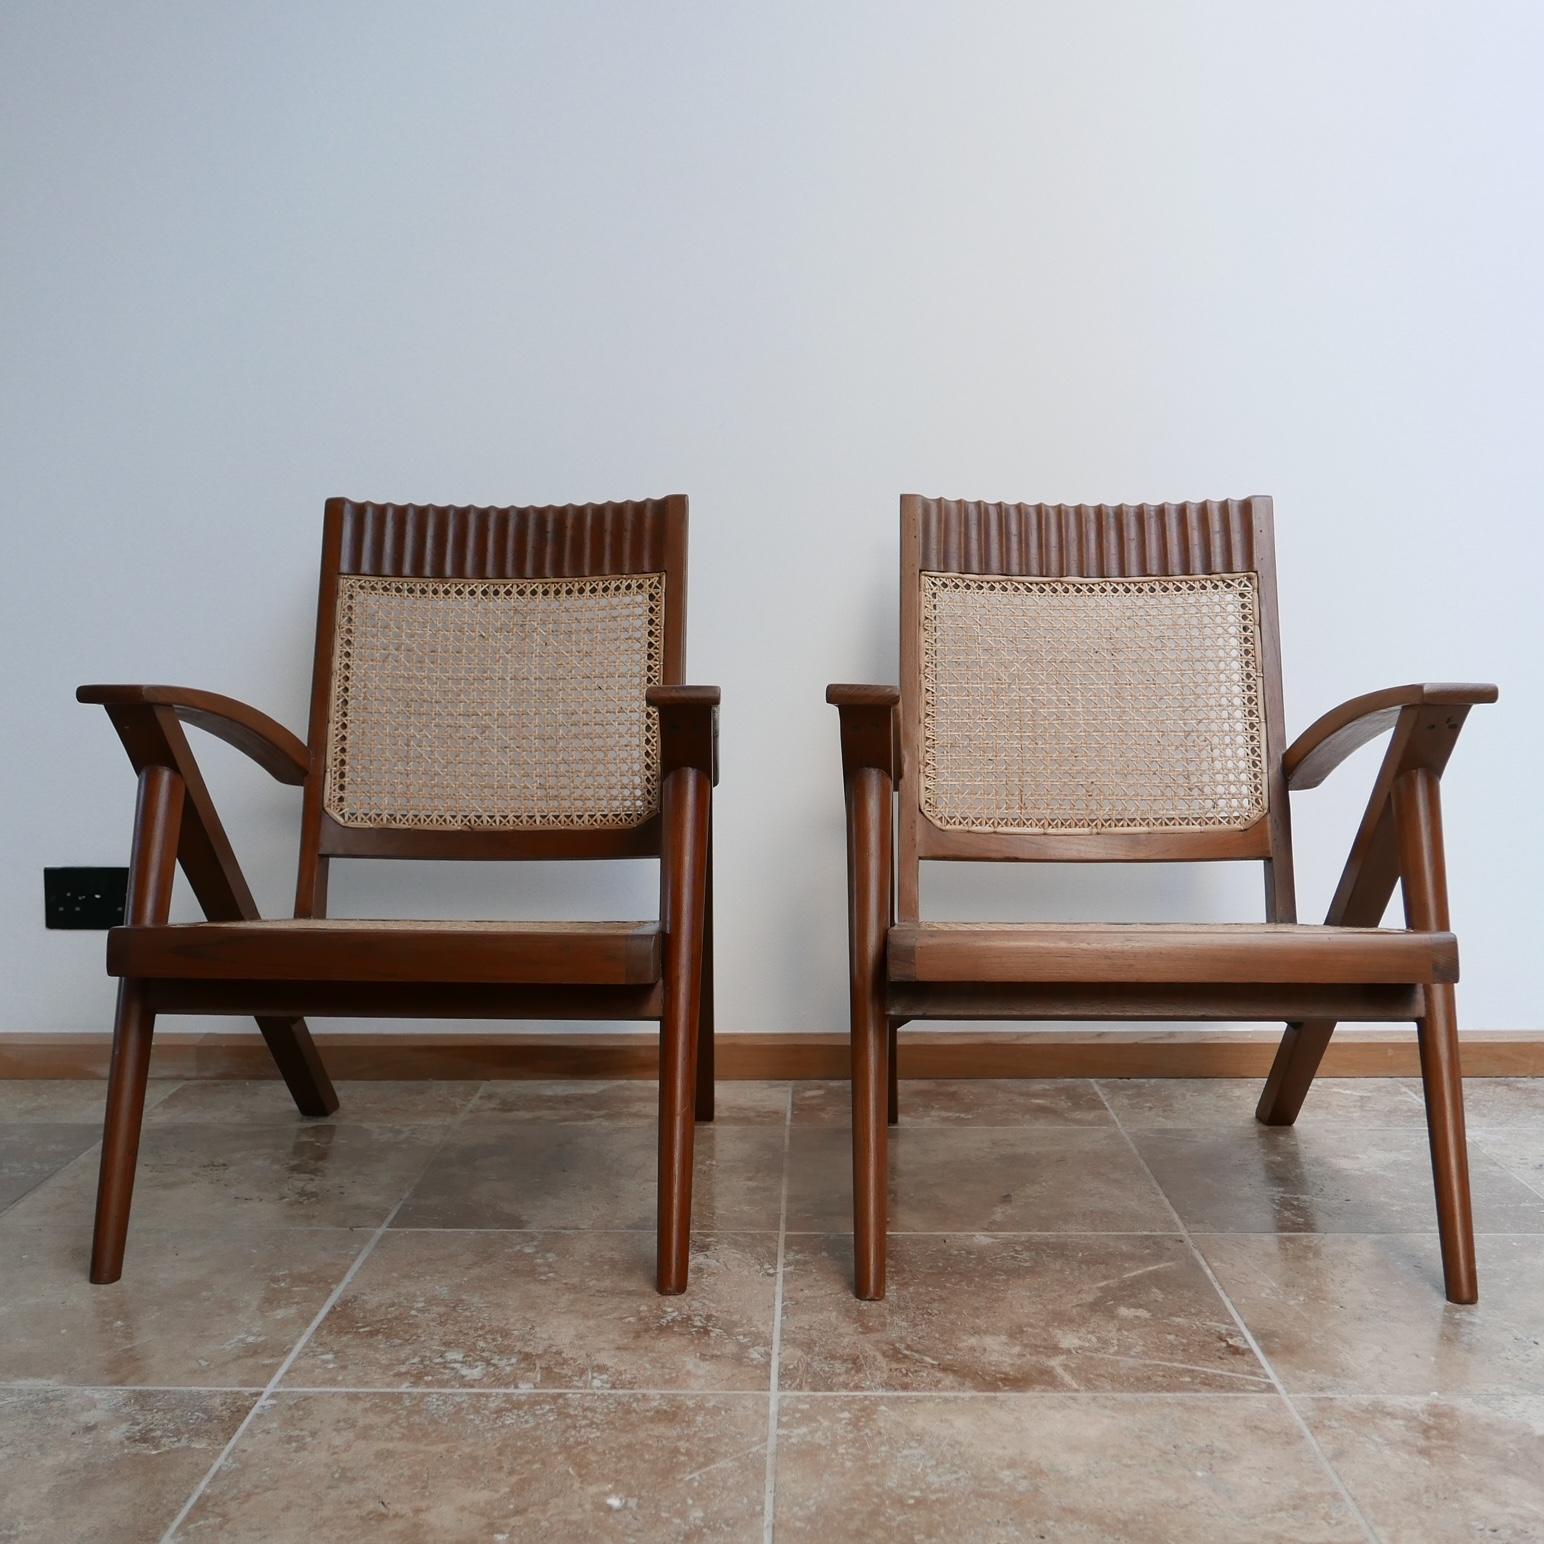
<point>1442,1081</point>
<point>300,1063</point>
<point>684,871</point>
<point>151,870</point>
<point>869,864</point>
<point>1298,1056</point>
<point>870,1153</point>
<point>892,1060</point>
<point>705,1091</point>
<point>126,1079</point>
<point>1423,874</point>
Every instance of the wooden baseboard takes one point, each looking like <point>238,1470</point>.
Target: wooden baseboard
<point>1159,1053</point>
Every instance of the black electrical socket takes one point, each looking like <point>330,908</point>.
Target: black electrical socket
<point>89,898</point>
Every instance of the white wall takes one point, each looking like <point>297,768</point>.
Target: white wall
<point>792,259</point>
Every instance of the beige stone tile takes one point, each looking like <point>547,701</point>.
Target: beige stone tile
<point>1499,1101</point>
<point>991,1179</point>
<point>513,1173</point>
<point>559,1467</point>
<point>1111,1314</point>
<point>266,1101</point>
<point>964,1101</point>
<point>1518,1149</point>
<point>80,1101</point>
<point>1050,1466</point>
<point>209,1308</point>
<point>33,1151</point>
<point>1145,1103</point>
<point>108,1464</point>
<point>202,1176</point>
<point>625,1099</point>
<point>1336,1180</point>
<point>1425,1469</point>
<point>1341,1313</point>
<point>547,1310</point>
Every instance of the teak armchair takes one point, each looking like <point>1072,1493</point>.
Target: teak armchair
<point>1103,683</point>
<point>489,684</point>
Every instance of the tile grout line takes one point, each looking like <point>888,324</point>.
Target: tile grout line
<point>53,1173</point>
<point>328,1304</point>
<point>279,1372</point>
<point>1244,1330</point>
<point>1475,1140</point>
<point>586,1391</point>
<point>769,1493</point>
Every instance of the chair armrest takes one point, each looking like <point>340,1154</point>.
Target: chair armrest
<point>688,727</point>
<point>870,727</point>
<point>1330,739</point>
<point>267,742</point>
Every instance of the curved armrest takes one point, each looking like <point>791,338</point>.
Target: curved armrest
<point>870,727</point>
<point>267,742</point>
<point>688,727</point>
<point>1330,739</point>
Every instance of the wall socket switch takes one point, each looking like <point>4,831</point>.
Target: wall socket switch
<point>84,898</point>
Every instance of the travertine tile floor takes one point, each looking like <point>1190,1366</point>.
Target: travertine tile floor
<point>1117,1311</point>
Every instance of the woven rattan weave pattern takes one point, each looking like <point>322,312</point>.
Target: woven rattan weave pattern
<point>1074,705</point>
<point>495,704</point>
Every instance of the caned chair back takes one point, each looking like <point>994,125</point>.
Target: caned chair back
<point>1090,682</point>
<point>480,678</point>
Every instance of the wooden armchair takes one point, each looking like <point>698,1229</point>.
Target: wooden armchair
<point>489,684</point>
<point>1103,684</point>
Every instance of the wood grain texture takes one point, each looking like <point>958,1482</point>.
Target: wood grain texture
<point>1095,541</point>
<point>688,727</point>
<point>534,953</point>
<point>1137,952</point>
<point>1331,738</point>
<point>263,739</point>
<point>870,728</point>
<point>1184,1002</point>
<point>536,541</point>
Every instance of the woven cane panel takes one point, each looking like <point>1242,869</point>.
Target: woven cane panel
<point>1092,704</point>
<point>495,704</point>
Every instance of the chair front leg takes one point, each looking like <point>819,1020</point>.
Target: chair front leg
<point>1423,874</point>
<point>684,868</point>
<point>158,818</point>
<point>869,866</point>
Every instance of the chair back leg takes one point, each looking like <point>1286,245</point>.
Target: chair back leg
<point>892,1053</point>
<point>157,821</point>
<point>705,1074</point>
<point>1292,1072</point>
<point>300,1065</point>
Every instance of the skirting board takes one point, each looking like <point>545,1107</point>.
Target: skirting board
<point>1353,1053</point>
